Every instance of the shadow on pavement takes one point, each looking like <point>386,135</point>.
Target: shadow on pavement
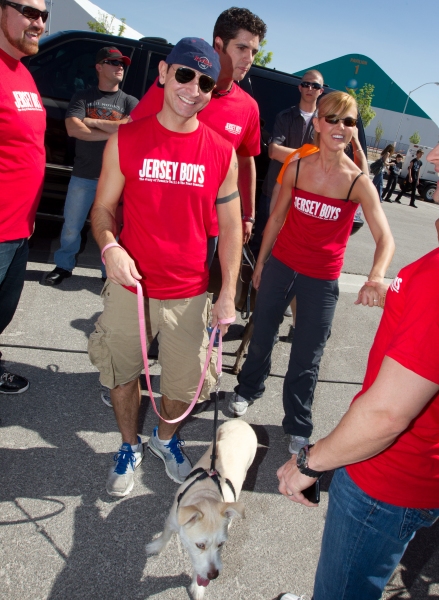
<point>108,558</point>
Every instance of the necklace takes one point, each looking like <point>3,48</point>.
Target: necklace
<point>218,94</point>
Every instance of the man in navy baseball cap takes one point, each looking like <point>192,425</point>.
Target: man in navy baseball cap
<point>196,54</point>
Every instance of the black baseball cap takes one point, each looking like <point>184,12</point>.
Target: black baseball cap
<point>111,53</point>
<point>197,54</point>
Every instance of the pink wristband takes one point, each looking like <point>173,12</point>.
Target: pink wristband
<point>112,245</point>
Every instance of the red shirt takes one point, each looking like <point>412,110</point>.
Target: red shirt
<point>171,185</point>
<point>314,236</point>
<point>407,473</point>
<point>22,152</point>
<point>235,116</point>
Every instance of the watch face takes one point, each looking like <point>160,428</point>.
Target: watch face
<point>301,458</point>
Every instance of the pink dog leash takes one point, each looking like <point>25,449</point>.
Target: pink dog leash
<point>143,344</point>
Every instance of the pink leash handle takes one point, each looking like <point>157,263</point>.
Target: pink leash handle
<point>143,344</point>
<point>219,364</point>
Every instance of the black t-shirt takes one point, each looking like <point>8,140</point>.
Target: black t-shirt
<point>290,130</point>
<point>416,167</point>
<point>95,104</point>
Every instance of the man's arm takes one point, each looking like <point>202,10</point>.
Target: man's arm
<point>278,152</point>
<point>109,127</point>
<point>409,172</point>
<point>371,425</point>
<point>247,190</point>
<point>77,129</point>
<point>375,289</point>
<point>359,157</point>
<point>120,267</point>
<point>228,209</point>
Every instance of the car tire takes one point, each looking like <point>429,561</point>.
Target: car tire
<point>428,193</point>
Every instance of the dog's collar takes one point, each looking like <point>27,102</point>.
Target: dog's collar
<point>203,474</point>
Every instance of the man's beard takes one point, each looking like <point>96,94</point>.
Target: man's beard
<point>23,44</point>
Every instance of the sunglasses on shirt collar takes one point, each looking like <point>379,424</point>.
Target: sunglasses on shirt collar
<point>185,75</point>
<point>348,121</point>
<point>31,13</point>
<point>311,84</point>
<point>113,63</point>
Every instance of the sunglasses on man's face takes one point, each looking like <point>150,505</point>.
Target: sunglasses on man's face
<point>186,75</point>
<point>348,121</point>
<point>31,13</point>
<point>114,63</point>
<point>311,84</point>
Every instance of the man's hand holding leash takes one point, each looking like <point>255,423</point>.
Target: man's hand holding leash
<point>121,268</point>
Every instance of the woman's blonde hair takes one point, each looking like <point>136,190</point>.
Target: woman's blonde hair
<point>335,103</point>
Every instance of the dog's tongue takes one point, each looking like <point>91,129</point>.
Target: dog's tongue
<point>202,581</point>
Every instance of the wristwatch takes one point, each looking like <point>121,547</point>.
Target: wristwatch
<point>302,462</point>
<point>249,219</point>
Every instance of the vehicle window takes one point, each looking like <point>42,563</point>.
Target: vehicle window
<point>153,68</point>
<point>271,96</point>
<point>62,70</point>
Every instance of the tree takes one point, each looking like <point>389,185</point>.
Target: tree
<point>378,134</point>
<point>104,24</point>
<point>415,138</point>
<point>364,100</point>
<point>261,59</point>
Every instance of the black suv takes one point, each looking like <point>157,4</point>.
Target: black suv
<point>65,64</point>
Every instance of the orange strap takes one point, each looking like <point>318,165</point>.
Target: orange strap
<point>305,150</point>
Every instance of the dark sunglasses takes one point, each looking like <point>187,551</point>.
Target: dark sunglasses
<point>311,84</point>
<point>185,75</point>
<point>348,121</point>
<point>31,13</point>
<point>113,63</point>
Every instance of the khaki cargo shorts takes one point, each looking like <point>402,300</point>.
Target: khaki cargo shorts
<point>114,346</point>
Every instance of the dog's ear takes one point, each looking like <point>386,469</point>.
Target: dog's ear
<point>189,515</point>
<point>233,509</point>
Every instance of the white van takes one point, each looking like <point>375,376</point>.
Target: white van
<point>427,177</point>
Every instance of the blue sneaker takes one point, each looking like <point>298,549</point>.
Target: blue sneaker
<point>177,464</point>
<point>120,480</point>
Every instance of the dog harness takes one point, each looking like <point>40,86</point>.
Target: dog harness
<point>204,474</point>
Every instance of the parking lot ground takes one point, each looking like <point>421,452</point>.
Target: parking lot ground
<point>63,537</point>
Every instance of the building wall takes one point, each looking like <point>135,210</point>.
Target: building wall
<point>389,119</point>
<point>74,14</point>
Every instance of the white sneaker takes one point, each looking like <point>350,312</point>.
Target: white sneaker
<point>177,464</point>
<point>296,443</point>
<point>105,396</point>
<point>120,480</point>
<point>291,596</point>
<point>238,405</point>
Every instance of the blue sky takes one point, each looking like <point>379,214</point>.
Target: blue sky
<point>401,36</point>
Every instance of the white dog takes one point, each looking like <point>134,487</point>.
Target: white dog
<point>204,505</point>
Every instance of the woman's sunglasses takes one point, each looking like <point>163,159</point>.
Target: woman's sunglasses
<point>348,121</point>
<point>31,13</point>
<point>185,75</point>
<point>313,85</point>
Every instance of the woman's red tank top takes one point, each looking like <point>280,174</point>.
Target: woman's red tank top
<point>314,236</point>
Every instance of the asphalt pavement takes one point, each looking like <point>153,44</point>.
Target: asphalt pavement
<point>63,537</point>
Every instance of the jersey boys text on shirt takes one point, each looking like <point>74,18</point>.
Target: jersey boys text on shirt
<point>168,171</point>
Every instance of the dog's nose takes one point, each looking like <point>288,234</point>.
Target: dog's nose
<point>213,574</point>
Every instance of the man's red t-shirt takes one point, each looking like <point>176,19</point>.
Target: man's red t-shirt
<point>407,473</point>
<point>171,185</point>
<point>235,116</point>
<point>22,153</point>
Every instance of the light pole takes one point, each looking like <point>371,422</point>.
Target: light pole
<point>406,102</point>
